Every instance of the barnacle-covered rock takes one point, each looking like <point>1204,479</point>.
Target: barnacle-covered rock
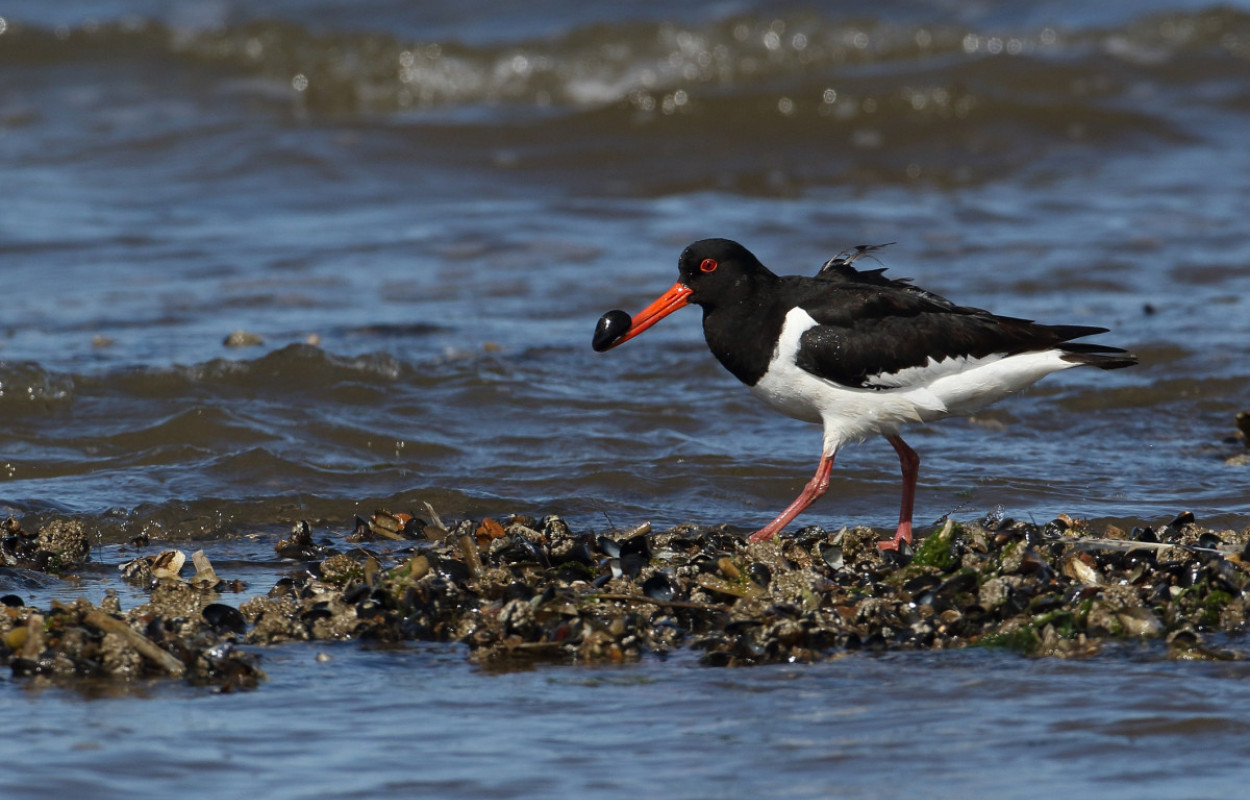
<point>517,589</point>
<point>56,546</point>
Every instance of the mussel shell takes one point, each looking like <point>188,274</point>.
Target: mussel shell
<point>456,571</point>
<point>1222,572</point>
<point>223,618</point>
<point>318,611</point>
<point>385,599</point>
<point>639,545</point>
<point>1144,535</point>
<point>831,554</point>
<point>760,573</point>
<point>517,591</point>
<point>1210,540</point>
<point>1182,519</point>
<point>1139,555</point>
<point>1016,602</point>
<point>24,667</point>
<point>580,552</point>
<point>922,584</point>
<point>635,554</point>
<point>898,557</point>
<point>632,564</point>
<point>960,582</point>
<point>715,658</point>
<point>609,547</point>
<point>1045,603</point>
<point>658,587</point>
<point>357,592</point>
<point>1187,573</point>
<point>612,326</point>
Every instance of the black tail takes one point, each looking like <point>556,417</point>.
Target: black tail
<point>1097,355</point>
<point>1045,337</point>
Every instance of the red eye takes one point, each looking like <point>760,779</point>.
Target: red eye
<point>708,265</point>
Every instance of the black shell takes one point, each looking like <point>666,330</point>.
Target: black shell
<point>223,618</point>
<point>612,326</point>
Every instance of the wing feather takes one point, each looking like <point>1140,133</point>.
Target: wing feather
<point>891,336</point>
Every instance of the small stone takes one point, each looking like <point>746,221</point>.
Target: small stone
<point>243,339</point>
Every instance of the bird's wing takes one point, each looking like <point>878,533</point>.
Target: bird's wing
<point>880,337</point>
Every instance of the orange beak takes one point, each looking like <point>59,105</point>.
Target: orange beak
<point>665,304</point>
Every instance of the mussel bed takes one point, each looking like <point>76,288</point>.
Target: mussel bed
<point>523,590</point>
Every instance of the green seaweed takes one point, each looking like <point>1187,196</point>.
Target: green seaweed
<point>1021,640</point>
<point>1213,606</point>
<point>935,550</point>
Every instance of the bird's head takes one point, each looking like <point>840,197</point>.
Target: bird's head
<point>711,271</point>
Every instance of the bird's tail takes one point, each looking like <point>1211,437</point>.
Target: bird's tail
<point>1097,355</point>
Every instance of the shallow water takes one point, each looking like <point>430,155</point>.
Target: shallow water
<point>419,721</point>
<point>445,197</point>
<point>410,208</point>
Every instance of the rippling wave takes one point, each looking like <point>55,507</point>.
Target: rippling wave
<point>669,68</point>
<point>420,181</point>
<point>298,433</point>
<point>900,100</point>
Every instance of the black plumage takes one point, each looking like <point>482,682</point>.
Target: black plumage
<point>867,325</point>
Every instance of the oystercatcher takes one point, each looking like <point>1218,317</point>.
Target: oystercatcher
<point>856,351</point>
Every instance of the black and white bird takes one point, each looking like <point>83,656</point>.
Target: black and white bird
<point>856,351</point>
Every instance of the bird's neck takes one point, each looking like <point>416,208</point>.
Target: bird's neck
<point>741,329</point>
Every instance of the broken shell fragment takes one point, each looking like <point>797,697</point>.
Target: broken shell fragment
<point>390,526</point>
<point>168,564</point>
<point>205,576</point>
<point>1076,569</point>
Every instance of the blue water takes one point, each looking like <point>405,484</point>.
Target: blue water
<point>422,209</point>
<point>420,722</point>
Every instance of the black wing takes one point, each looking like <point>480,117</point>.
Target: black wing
<point>866,333</point>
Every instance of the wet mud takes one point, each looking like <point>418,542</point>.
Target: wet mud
<point>526,590</point>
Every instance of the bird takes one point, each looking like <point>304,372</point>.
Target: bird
<point>857,352</point>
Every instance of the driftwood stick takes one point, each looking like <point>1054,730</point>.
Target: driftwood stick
<point>146,647</point>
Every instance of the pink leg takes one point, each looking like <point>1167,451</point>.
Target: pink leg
<point>910,463</point>
<point>818,485</point>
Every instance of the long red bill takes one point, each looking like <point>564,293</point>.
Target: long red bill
<point>665,304</point>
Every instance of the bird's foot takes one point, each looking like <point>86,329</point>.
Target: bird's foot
<point>903,534</point>
<point>762,535</point>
